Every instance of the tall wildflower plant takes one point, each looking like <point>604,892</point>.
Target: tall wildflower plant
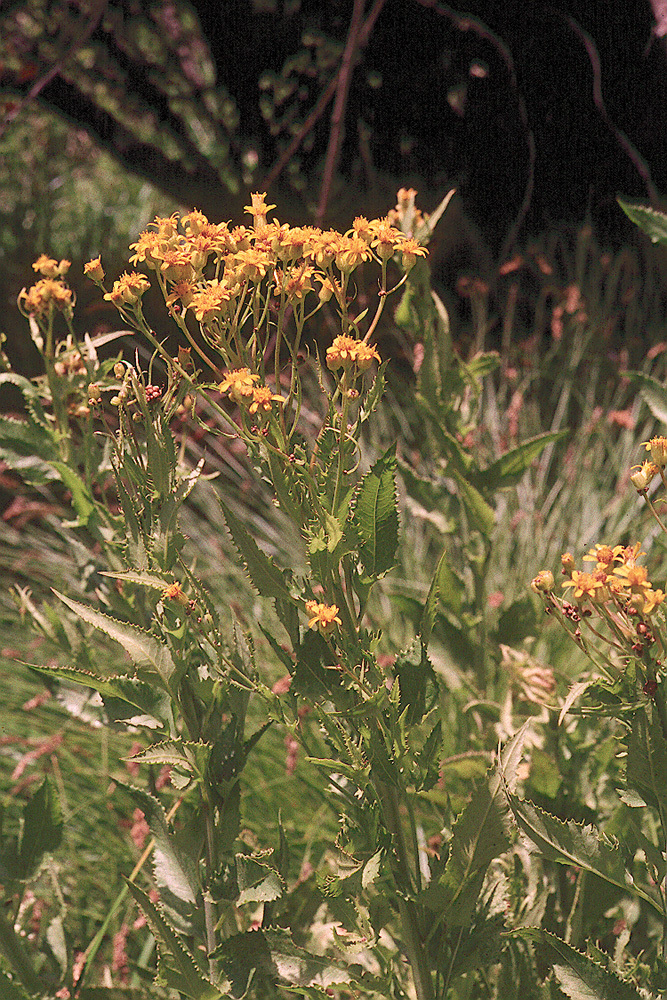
<point>414,890</point>
<point>611,607</point>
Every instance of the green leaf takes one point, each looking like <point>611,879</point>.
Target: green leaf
<point>42,827</point>
<point>647,761</point>
<point>569,843</point>
<point>266,956</point>
<point>509,468</point>
<point>81,499</point>
<point>375,516</point>
<point>579,977</point>
<point>653,393</point>
<point>129,691</point>
<point>142,647</point>
<point>174,868</point>
<point>482,516</point>
<point>440,582</point>
<point>31,395</point>
<point>415,675</point>
<point>178,969</point>
<point>26,438</point>
<point>257,882</point>
<point>650,220</point>
<point>267,578</point>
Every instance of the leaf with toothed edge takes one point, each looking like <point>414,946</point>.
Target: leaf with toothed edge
<point>142,647</point>
<point>177,968</point>
<point>133,692</point>
<point>578,975</point>
<point>267,578</point>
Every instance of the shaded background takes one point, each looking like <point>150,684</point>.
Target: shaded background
<point>540,114</point>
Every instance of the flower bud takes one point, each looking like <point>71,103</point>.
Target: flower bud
<point>543,582</point>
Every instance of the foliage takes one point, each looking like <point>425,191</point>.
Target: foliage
<point>397,832</point>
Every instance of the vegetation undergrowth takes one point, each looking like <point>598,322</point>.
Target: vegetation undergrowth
<point>334,726</point>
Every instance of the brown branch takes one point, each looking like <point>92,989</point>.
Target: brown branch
<point>338,113</point>
<point>322,102</point>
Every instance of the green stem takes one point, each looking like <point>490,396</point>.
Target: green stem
<point>412,940</point>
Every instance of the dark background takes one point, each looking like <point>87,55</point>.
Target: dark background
<point>540,114</point>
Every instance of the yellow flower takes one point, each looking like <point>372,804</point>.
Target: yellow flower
<point>323,616</point>
<point>174,592</point>
<point>409,251</point>
<point>642,479</point>
<point>658,448</point>
<point>262,399</point>
<point>652,600</point>
<point>604,555</point>
<point>386,239</point>
<point>346,351</point>
<point>129,288</point>
<point>212,302</point>
<point>586,586</point>
<point>252,264</point>
<point>39,298</point>
<point>50,268</point>
<point>350,252</point>
<point>94,270</point>
<point>239,384</point>
<point>258,210</point>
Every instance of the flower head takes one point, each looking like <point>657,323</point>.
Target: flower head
<point>323,617</point>
<point>128,290</point>
<point>239,383</point>
<point>658,448</point>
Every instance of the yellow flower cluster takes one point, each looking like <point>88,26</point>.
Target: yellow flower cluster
<point>345,352</point>
<point>616,578</point>
<point>181,251</point>
<point>240,385</point>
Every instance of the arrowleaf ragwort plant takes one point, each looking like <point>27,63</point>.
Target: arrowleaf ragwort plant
<point>421,896</point>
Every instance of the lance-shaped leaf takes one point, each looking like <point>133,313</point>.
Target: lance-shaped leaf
<point>441,582</point>
<point>174,869</point>
<point>647,761</point>
<point>653,393</point>
<point>509,468</point>
<point>81,498</point>
<point>570,843</point>
<point>650,220</point>
<point>177,967</point>
<point>41,832</point>
<point>267,578</point>
<point>480,834</point>
<point>117,691</point>
<point>578,976</point>
<point>480,513</point>
<point>375,516</point>
<point>142,647</point>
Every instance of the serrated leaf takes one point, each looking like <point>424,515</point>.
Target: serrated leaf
<point>148,699</point>
<point>267,578</point>
<point>372,869</point>
<point>30,394</point>
<point>375,516</point>
<point>653,393</point>
<point>578,845</point>
<point>579,977</point>
<point>439,584</point>
<point>573,695</point>
<point>142,647</point>
<point>270,955</point>
<point>650,220</point>
<point>26,438</point>
<point>142,579</point>
<point>174,869</point>
<point>190,756</point>
<point>258,883</point>
<point>177,966</point>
